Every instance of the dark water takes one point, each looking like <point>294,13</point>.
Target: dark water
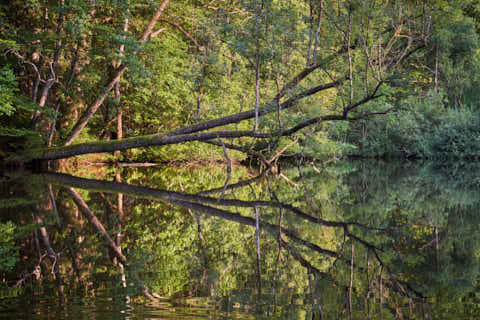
<point>355,240</point>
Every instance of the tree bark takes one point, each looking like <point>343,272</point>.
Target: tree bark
<point>117,92</point>
<point>185,134</point>
<point>161,140</point>
<point>257,244</point>
<point>317,34</point>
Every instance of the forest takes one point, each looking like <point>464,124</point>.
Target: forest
<point>300,158</point>
<point>316,78</point>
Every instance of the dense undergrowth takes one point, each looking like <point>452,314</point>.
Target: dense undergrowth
<point>421,128</point>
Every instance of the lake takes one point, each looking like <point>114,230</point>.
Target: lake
<point>346,240</point>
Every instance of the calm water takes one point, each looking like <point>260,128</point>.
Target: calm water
<point>357,240</point>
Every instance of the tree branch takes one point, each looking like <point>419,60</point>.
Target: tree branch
<point>92,109</point>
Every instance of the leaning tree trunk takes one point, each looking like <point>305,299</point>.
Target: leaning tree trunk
<point>191,133</point>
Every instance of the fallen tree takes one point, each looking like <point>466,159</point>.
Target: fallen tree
<point>364,65</point>
<point>198,131</point>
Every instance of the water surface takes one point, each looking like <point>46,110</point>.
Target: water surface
<point>354,240</point>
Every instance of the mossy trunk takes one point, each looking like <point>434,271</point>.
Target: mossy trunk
<point>129,143</point>
<point>194,132</point>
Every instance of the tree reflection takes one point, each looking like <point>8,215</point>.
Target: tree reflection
<point>202,204</point>
<point>374,254</point>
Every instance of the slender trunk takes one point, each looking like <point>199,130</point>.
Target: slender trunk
<point>118,240</point>
<point>369,288</point>
<point>381,291</point>
<point>202,247</point>
<point>277,260</point>
<point>199,103</point>
<point>44,94</point>
<point>38,79</point>
<point>437,254</point>
<point>51,132</point>
<point>229,168</point>
<point>199,229</point>
<point>257,64</point>
<point>310,35</point>
<point>380,56</point>
<point>435,81</point>
<point>319,302</point>
<point>257,86</point>
<point>312,294</point>
<point>317,34</point>
<point>117,92</point>
<point>52,77</point>
<point>423,18</point>
<point>118,179</point>
<point>41,63</point>
<point>43,100</point>
<point>349,51</point>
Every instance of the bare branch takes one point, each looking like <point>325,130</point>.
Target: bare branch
<point>184,32</point>
<point>237,117</point>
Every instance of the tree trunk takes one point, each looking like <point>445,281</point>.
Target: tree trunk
<point>178,136</point>
<point>92,109</point>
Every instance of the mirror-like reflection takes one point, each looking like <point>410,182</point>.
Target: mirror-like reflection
<point>356,240</point>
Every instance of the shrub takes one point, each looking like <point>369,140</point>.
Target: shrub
<point>458,136</point>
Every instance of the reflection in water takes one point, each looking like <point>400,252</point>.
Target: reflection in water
<point>363,240</point>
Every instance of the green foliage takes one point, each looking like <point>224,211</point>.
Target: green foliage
<point>423,122</point>
<point>397,208</point>
<point>9,255</point>
<point>205,57</point>
<point>15,110</point>
<point>202,65</point>
<point>432,201</point>
<point>8,90</point>
<point>421,127</point>
<point>454,50</point>
<point>457,136</point>
<point>15,202</point>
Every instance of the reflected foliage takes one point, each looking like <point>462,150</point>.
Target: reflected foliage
<point>353,240</point>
